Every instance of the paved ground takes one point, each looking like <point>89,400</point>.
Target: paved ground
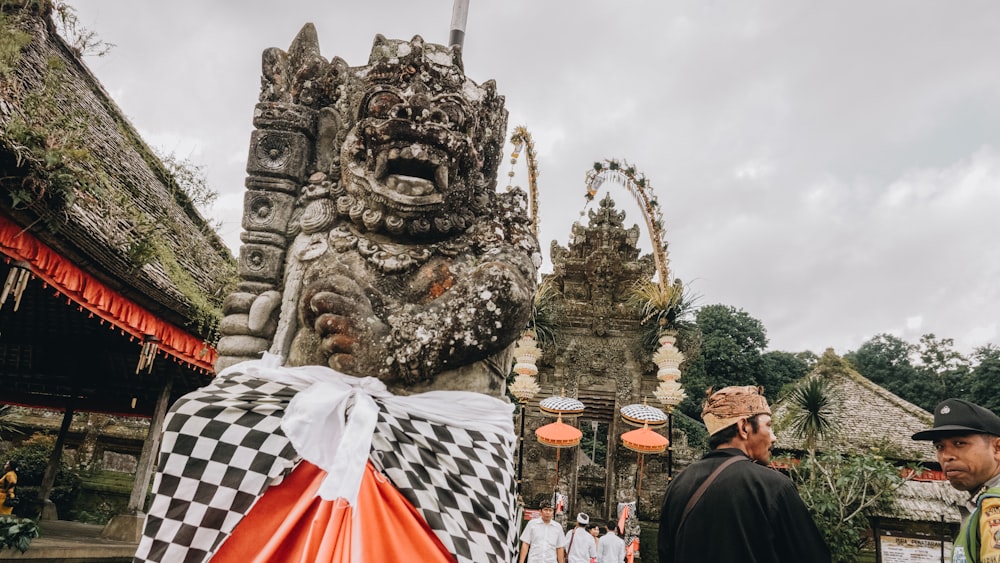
<point>72,542</point>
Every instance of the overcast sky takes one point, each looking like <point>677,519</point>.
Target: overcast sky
<point>831,168</point>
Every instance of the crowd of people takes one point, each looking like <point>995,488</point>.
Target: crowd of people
<point>543,540</point>
<point>730,507</point>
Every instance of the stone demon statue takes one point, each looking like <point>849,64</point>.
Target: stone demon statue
<point>383,279</point>
<point>372,223</point>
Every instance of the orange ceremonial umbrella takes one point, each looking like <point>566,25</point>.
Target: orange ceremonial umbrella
<point>644,441</point>
<point>559,435</point>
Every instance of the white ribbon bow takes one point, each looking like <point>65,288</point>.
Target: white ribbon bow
<point>332,418</point>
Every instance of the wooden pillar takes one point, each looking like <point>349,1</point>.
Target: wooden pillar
<point>128,526</point>
<point>49,511</point>
<point>150,449</point>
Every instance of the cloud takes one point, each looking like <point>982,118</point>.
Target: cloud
<point>831,168</point>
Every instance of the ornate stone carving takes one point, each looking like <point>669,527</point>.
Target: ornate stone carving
<point>374,240</point>
<point>602,261</point>
<point>594,275</point>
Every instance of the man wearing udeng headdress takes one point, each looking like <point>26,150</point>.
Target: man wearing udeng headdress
<point>383,279</point>
<point>728,507</point>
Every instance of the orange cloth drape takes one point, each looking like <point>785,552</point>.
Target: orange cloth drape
<point>631,550</point>
<point>96,297</point>
<point>290,524</point>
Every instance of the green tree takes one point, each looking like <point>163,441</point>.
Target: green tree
<point>33,457</point>
<point>732,345</point>
<point>941,364</point>
<point>781,369</point>
<point>888,361</point>
<point>984,381</point>
<point>884,359</point>
<point>808,357</point>
<point>842,492</point>
<point>924,374</point>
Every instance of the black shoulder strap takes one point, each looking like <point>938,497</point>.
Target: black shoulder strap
<point>701,491</point>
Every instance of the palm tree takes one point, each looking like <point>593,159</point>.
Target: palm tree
<point>811,402</point>
<point>545,319</point>
<point>663,308</point>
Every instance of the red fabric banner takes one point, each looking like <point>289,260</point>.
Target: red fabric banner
<point>99,299</point>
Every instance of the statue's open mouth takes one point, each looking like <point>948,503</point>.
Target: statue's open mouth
<point>413,174</point>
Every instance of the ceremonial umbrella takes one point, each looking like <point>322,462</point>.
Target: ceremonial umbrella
<point>562,406</point>
<point>643,415</point>
<point>559,435</point>
<point>643,441</point>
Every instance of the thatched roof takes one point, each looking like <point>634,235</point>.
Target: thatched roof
<point>863,415</point>
<point>76,175</point>
<point>866,417</point>
<point>926,501</point>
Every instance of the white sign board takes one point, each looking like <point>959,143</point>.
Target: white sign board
<point>897,549</point>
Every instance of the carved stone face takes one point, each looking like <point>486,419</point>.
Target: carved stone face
<point>411,164</point>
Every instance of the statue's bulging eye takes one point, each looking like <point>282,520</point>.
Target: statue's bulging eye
<point>381,104</point>
<point>454,111</point>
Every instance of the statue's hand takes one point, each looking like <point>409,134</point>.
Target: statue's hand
<point>341,314</point>
<point>264,311</point>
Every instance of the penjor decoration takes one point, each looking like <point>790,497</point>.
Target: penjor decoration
<point>524,387</point>
<point>664,302</point>
<point>522,140</point>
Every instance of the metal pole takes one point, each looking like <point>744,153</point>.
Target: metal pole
<point>670,445</point>
<point>593,448</point>
<point>638,480</point>
<point>944,536</point>
<point>557,467</point>
<point>459,16</point>
<point>520,448</point>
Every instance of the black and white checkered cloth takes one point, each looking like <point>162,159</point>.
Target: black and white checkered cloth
<point>223,446</point>
<point>461,482</point>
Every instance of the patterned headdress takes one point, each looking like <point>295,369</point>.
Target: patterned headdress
<point>729,404</point>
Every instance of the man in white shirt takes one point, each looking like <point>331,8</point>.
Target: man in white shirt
<point>542,540</point>
<point>580,546</point>
<point>611,548</point>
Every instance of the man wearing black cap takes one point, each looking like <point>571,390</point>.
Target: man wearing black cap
<point>967,440</point>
